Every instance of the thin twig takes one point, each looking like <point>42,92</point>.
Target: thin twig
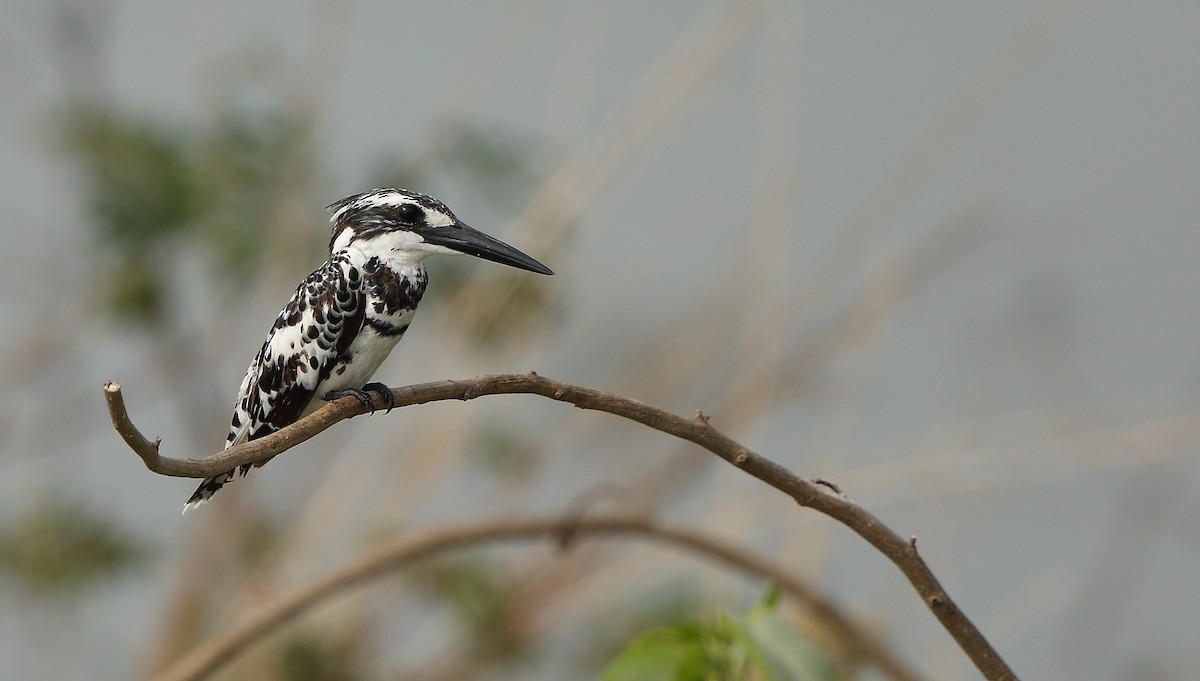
<point>219,651</point>
<point>804,492</point>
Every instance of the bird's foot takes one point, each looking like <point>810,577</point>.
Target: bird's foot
<point>359,395</point>
<point>389,398</point>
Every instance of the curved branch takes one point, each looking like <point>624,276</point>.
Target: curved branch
<point>133,437</point>
<point>222,649</point>
<point>817,495</point>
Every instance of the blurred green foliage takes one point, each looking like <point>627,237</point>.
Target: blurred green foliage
<point>244,164</point>
<point>61,549</point>
<point>682,652</point>
<point>478,591</point>
<point>612,631</point>
<point>309,655</point>
<point>760,645</point>
<point>504,452</point>
<point>143,188</point>
<point>154,188</point>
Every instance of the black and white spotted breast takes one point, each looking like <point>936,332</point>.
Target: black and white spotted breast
<point>391,292</point>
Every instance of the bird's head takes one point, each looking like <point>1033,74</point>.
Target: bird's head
<point>410,226</point>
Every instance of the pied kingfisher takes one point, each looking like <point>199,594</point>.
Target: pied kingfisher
<point>347,316</point>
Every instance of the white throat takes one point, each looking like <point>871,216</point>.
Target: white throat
<point>401,247</point>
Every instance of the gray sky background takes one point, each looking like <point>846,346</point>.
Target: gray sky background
<point>1030,412</point>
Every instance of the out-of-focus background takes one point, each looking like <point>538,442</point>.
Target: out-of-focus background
<point>942,253</point>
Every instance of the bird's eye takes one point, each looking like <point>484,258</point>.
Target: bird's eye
<point>410,213</point>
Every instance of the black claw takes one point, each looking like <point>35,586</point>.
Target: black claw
<point>389,398</point>
<point>359,395</point>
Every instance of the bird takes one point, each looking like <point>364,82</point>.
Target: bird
<point>345,317</point>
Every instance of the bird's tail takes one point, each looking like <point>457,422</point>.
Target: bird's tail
<point>207,489</point>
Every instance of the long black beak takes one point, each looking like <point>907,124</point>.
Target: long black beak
<point>466,239</point>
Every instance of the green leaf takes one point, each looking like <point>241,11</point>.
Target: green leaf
<point>779,652</point>
<point>657,654</point>
<point>761,646</point>
<point>689,651</point>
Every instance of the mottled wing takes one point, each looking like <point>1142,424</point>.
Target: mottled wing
<point>304,346</point>
<point>312,332</point>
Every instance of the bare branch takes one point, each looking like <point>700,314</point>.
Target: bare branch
<point>133,437</point>
<point>222,649</point>
<point>814,495</point>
